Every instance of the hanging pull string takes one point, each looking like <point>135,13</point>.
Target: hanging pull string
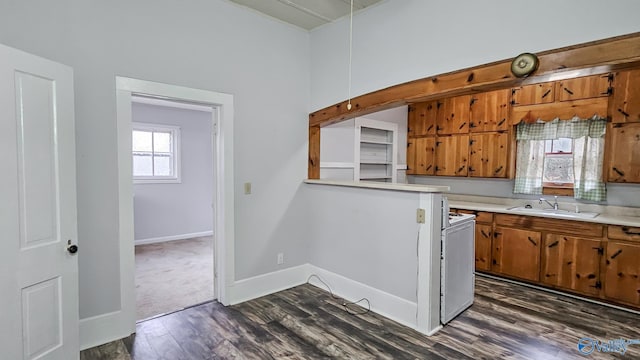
<point>350,52</point>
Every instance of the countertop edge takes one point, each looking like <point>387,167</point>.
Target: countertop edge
<point>381,186</point>
<point>603,218</point>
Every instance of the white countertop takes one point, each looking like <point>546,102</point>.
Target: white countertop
<point>382,186</point>
<point>603,218</point>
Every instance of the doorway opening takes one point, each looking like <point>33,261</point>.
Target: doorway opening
<point>219,198</point>
<point>172,151</point>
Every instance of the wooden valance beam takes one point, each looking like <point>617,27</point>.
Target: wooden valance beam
<point>573,61</point>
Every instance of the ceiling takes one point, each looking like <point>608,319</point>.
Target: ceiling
<point>306,14</point>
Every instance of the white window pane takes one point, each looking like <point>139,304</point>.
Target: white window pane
<point>162,142</point>
<point>562,145</point>
<point>141,141</point>
<point>142,165</point>
<point>558,169</point>
<point>162,165</point>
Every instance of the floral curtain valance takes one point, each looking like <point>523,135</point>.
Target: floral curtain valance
<point>552,130</point>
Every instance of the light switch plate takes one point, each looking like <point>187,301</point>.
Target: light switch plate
<point>420,216</point>
<point>247,188</point>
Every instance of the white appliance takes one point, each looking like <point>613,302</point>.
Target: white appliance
<point>457,264</point>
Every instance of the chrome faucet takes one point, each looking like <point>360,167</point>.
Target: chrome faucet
<point>554,205</point>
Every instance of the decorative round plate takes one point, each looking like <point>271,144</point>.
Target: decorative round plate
<point>524,64</point>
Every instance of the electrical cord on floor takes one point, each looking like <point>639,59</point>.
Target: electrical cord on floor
<point>347,305</point>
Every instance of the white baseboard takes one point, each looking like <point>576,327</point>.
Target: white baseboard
<point>388,305</point>
<point>172,237</point>
<point>101,329</point>
<point>261,285</point>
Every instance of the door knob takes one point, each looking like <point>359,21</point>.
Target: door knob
<point>72,249</point>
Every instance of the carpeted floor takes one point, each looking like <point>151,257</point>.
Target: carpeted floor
<point>173,275</point>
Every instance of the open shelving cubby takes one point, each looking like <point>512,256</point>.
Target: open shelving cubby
<point>375,151</point>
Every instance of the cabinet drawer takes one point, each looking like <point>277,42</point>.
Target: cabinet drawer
<point>481,216</point>
<point>629,233</point>
<point>553,225</point>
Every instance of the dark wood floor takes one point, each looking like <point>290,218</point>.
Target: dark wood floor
<point>507,321</point>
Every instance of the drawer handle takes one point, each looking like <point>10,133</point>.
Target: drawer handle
<point>569,91</point>
<point>616,254</point>
<point>555,243</point>
<point>546,93</point>
<point>627,231</point>
<point>532,241</point>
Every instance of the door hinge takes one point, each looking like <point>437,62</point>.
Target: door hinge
<point>598,285</point>
<point>600,250</point>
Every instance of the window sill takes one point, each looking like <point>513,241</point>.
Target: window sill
<point>156,181</point>
<point>557,190</point>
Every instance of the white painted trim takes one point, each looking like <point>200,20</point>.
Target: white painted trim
<point>172,238</point>
<point>265,284</point>
<point>168,103</point>
<point>108,327</point>
<point>94,330</point>
<point>401,167</point>
<point>375,124</point>
<point>388,305</point>
<point>428,281</point>
<point>337,165</point>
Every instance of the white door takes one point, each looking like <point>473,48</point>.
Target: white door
<point>38,273</point>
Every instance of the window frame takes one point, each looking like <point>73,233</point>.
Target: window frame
<point>176,165</point>
<point>555,188</point>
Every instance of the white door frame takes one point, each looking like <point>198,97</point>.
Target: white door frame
<point>223,228</point>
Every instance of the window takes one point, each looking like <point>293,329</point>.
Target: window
<point>156,157</point>
<point>561,157</point>
<point>558,164</point>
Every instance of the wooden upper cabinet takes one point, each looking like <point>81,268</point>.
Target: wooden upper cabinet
<point>453,115</point>
<point>622,279</point>
<point>488,155</point>
<point>624,105</point>
<point>623,146</point>
<point>489,111</point>
<point>422,119</point>
<point>542,93</point>
<point>411,156</point>
<point>583,87</point>
<point>424,156</point>
<point>451,155</point>
<point>516,253</point>
<point>572,263</point>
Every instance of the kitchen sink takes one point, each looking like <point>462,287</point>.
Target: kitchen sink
<point>554,212</point>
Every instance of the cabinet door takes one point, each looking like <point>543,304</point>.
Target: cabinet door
<point>516,253</point>
<point>533,94</point>
<point>622,281</point>
<point>583,87</point>
<point>425,156</point>
<point>422,119</point>
<point>411,156</point>
<point>572,263</point>
<point>451,155</point>
<point>489,111</point>
<point>488,155</point>
<point>623,144</point>
<point>453,115</point>
<point>483,247</point>
<point>624,105</point>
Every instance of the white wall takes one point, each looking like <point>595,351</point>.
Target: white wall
<point>207,44</point>
<point>403,40</point>
<point>173,210</point>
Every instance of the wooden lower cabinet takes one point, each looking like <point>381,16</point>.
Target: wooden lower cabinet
<point>484,236</point>
<point>572,263</point>
<point>622,281</point>
<point>516,253</point>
